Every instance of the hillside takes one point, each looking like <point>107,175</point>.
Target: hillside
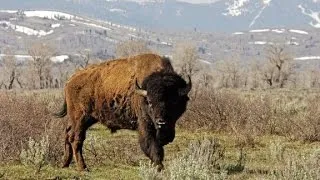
<point>220,15</point>
<point>71,33</point>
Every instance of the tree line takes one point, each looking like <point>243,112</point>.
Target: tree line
<point>276,70</point>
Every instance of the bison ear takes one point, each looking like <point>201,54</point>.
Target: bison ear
<point>186,90</point>
<point>139,90</point>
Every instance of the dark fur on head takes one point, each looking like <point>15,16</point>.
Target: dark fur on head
<point>163,103</point>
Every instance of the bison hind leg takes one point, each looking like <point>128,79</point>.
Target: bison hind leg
<point>67,157</point>
<point>77,137</point>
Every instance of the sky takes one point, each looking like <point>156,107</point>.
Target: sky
<point>189,1</point>
<point>198,1</point>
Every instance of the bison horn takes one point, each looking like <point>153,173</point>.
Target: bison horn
<point>187,89</point>
<point>140,91</point>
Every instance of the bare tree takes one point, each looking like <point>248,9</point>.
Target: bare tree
<point>131,48</point>
<point>314,79</point>
<point>255,74</point>
<point>41,63</point>
<point>278,68</point>
<point>231,74</point>
<point>11,72</point>
<point>185,58</point>
<point>85,57</point>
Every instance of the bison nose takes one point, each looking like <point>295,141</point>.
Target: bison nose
<point>160,122</point>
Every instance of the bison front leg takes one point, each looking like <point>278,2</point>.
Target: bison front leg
<point>150,146</point>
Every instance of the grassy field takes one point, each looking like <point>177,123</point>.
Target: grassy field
<point>268,155</point>
<point>198,151</point>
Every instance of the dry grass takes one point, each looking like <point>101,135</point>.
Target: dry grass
<point>295,115</point>
<point>25,116</point>
<point>244,120</point>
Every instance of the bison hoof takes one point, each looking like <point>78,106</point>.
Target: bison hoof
<point>160,167</point>
<point>65,166</point>
<point>84,169</point>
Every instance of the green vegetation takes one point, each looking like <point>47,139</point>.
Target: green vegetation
<point>271,158</point>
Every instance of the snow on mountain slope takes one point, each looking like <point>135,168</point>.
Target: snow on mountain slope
<point>59,58</point>
<point>48,14</point>
<point>215,15</point>
<point>43,14</point>
<point>236,7</point>
<point>55,15</point>
<point>25,30</point>
<point>266,4</point>
<point>314,15</point>
<point>161,1</point>
<point>91,25</point>
<point>25,24</point>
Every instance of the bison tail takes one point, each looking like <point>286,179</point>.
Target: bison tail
<point>63,112</point>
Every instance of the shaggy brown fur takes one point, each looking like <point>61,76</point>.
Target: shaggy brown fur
<point>106,93</point>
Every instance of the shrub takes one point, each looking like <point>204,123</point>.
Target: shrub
<point>26,117</point>
<point>250,114</point>
<point>148,172</point>
<point>203,159</point>
<point>100,150</point>
<point>297,166</point>
<point>36,153</point>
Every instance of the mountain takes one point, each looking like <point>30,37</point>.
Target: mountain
<point>73,35</point>
<point>206,15</point>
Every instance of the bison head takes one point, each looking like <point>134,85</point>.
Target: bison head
<point>165,100</point>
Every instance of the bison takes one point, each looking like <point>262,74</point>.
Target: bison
<point>110,93</point>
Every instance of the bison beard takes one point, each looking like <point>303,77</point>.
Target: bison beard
<point>91,96</point>
<point>165,136</point>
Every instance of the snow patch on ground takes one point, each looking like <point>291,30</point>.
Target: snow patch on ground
<point>55,25</point>
<point>293,43</point>
<point>204,61</point>
<point>26,30</point>
<point>259,30</point>
<point>298,31</point>
<point>237,33</point>
<point>17,56</point>
<point>49,14</point>
<point>307,58</point>
<point>118,10</point>
<point>260,42</point>
<point>9,11</point>
<point>278,30</point>
<point>166,43</point>
<point>91,24</point>
<point>60,58</point>
<point>111,40</point>
<point>134,36</point>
